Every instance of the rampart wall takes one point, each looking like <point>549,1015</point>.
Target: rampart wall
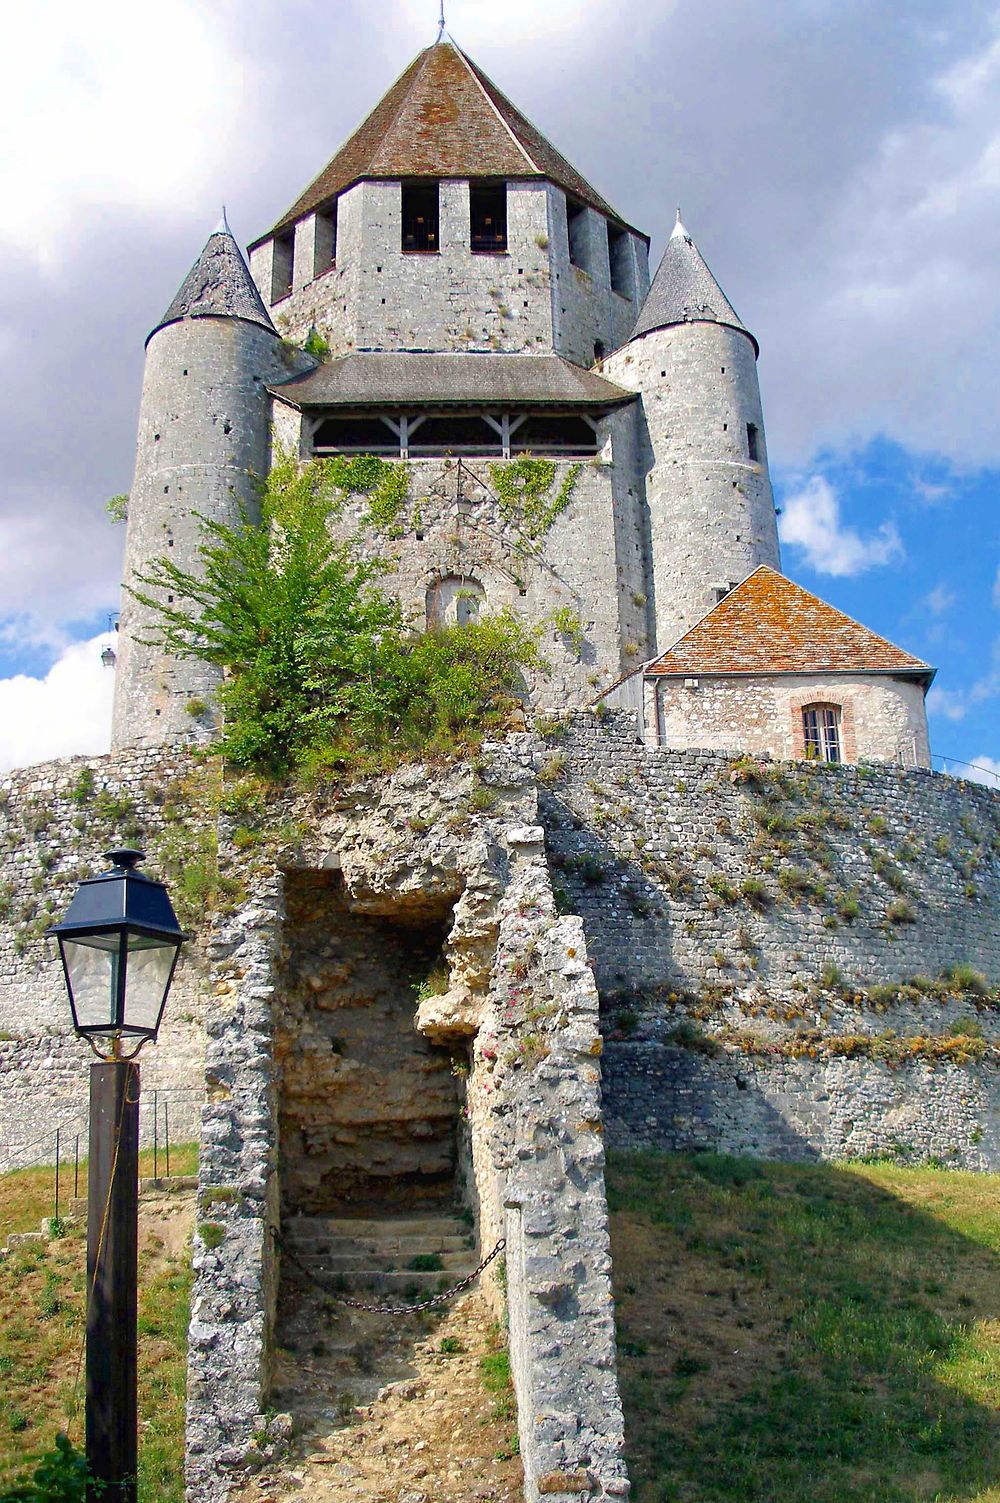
<point>56,820</point>
<point>794,959</point>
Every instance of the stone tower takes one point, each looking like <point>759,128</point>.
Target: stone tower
<point>700,440</point>
<point>203,441</point>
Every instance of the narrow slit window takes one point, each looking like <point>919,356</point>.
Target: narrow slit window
<point>753,443</point>
<point>488,217</point>
<point>282,265</point>
<point>821,733</point>
<point>420,217</point>
<point>326,239</point>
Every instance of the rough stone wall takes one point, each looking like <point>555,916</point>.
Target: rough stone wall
<point>651,844</point>
<point>659,1095</point>
<point>369,1108</point>
<point>380,297</point>
<point>752,925</point>
<point>535,1109</point>
<point>882,719</point>
<point>203,438</point>
<point>56,820</point>
<point>711,510</point>
<point>585,309</point>
<point>407,851</point>
<point>528,299</point>
<point>574,566</point>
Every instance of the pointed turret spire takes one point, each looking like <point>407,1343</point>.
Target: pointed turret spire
<point>685,291</point>
<point>218,285</point>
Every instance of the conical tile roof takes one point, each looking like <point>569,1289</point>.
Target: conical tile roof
<point>685,291</point>
<point>218,285</point>
<point>443,118</point>
<point>768,624</point>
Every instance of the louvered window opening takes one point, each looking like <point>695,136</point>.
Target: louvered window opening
<point>821,731</point>
<point>472,434</point>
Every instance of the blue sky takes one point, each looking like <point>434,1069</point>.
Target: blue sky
<point>914,554</point>
<point>837,162</point>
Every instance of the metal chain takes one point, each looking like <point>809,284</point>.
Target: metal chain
<point>427,1304</point>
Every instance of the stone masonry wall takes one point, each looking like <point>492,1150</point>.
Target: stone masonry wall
<point>711,510</point>
<point>527,299</point>
<point>407,850</point>
<point>882,718</point>
<point>793,958</point>
<point>56,820</point>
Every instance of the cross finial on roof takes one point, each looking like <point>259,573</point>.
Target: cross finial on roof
<point>441,22</point>
<point>678,228</point>
<point>222,228</point>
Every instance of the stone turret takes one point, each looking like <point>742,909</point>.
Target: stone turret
<point>710,506</point>
<point>203,442</point>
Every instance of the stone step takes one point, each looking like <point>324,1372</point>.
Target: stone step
<point>391,1280</point>
<point>317,1257</point>
<point>372,1247</point>
<point>379,1227</point>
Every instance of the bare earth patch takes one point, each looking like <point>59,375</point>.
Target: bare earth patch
<point>436,1436</point>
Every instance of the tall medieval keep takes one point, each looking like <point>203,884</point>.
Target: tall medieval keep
<point>659,915</point>
<point>478,306</point>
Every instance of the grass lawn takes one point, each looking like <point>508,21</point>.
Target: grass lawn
<point>42,1332</point>
<point>807,1333</point>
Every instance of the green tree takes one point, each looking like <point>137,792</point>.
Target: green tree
<point>290,613</point>
<point>321,671</point>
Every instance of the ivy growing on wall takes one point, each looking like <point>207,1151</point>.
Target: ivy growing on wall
<point>524,490</point>
<point>385,483</point>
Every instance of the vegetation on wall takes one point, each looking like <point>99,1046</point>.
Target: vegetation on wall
<point>524,490</point>
<point>321,669</point>
<point>385,483</point>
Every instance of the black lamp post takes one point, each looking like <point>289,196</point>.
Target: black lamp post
<point>118,942</point>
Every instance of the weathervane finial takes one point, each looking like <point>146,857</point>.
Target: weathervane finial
<point>441,22</point>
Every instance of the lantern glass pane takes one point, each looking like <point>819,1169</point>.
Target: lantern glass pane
<point>92,965</point>
<point>149,963</point>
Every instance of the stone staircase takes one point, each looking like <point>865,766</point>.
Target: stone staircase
<point>332,1358</point>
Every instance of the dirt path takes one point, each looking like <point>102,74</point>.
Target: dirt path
<point>435,1437</point>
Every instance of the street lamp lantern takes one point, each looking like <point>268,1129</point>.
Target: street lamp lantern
<point>119,942</point>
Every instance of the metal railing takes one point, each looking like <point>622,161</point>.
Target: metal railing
<point>166,1118</point>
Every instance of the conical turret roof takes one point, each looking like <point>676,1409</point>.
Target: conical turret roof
<point>685,291</point>
<point>443,118</point>
<point>218,285</point>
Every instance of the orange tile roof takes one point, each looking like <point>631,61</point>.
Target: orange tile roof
<point>443,118</point>
<point>768,624</point>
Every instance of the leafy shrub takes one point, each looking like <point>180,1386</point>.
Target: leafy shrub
<point>900,912</point>
<point>323,674</point>
<point>60,1477</point>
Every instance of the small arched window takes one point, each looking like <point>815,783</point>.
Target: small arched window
<point>821,732</point>
<point>454,601</point>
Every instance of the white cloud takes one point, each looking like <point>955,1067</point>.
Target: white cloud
<point>810,520</point>
<point>953,704</point>
<point>940,600</point>
<point>977,770</point>
<point>66,713</point>
<point>134,104</point>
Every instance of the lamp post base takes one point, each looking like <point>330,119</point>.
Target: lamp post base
<point>112,1253</point>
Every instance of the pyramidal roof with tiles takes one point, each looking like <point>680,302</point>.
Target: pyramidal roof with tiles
<point>769,624</point>
<point>443,118</point>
